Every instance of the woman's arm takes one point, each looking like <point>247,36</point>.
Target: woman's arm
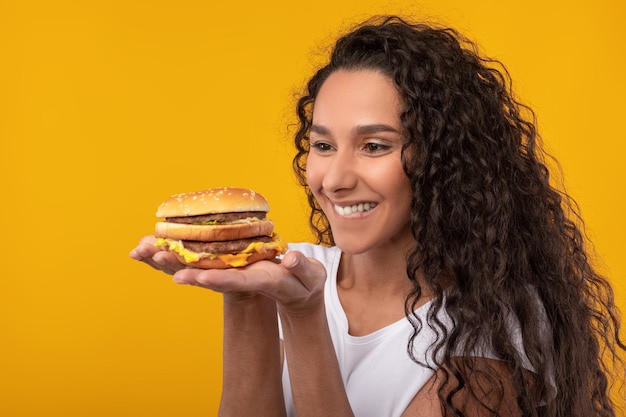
<point>316,383</point>
<point>252,360</point>
<point>296,287</point>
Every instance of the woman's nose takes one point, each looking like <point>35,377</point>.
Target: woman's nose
<point>341,173</point>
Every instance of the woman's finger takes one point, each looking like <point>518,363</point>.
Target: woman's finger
<point>310,272</point>
<point>157,258</point>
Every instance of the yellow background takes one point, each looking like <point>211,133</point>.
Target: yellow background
<point>108,107</point>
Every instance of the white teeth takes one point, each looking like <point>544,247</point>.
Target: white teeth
<point>356,208</point>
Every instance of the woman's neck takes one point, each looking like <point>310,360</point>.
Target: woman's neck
<point>372,288</point>
<point>382,268</point>
<point>381,273</point>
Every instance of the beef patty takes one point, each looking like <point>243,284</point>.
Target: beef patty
<point>227,246</point>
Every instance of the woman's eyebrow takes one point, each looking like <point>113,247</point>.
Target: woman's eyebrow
<point>320,130</point>
<point>375,128</point>
<point>360,130</point>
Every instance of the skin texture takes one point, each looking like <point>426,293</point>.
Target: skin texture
<point>356,142</point>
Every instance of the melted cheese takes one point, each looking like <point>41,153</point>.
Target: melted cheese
<point>177,246</point>
<point>236,260</point>
<point>239,259</point>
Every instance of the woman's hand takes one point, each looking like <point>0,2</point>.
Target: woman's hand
<point>157,258</point>
<point>296,283</point>
<point>293,282</point>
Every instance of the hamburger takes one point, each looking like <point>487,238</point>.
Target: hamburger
<point>218,228</point>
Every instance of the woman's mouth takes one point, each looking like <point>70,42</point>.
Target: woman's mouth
<point>346,211</point>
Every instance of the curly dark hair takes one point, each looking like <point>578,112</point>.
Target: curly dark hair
<point>492,235</point>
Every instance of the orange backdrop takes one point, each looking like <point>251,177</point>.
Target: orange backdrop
<point>108,107</point>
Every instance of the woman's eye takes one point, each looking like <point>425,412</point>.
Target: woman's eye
<point>321,146</point>
<point>374,147</point>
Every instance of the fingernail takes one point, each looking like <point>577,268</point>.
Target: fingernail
<point>292,261</point>
<point>159,259</point>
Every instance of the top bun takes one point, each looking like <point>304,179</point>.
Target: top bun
<point>214,200</point>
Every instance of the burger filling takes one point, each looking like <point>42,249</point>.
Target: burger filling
<point>227,246</point>
<point>231,252</point>
<point>192,251</point>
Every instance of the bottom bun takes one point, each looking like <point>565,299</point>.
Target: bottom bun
<point>269,251</point>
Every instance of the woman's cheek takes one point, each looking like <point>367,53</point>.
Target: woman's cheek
<point>313,177</point>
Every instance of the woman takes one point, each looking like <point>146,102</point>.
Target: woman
<point>450,280</point>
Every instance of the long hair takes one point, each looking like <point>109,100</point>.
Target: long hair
<point>493,237</point>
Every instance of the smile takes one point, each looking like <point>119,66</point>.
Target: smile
<point>356,208</point>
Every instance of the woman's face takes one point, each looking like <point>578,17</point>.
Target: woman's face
<point>354,166</point>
